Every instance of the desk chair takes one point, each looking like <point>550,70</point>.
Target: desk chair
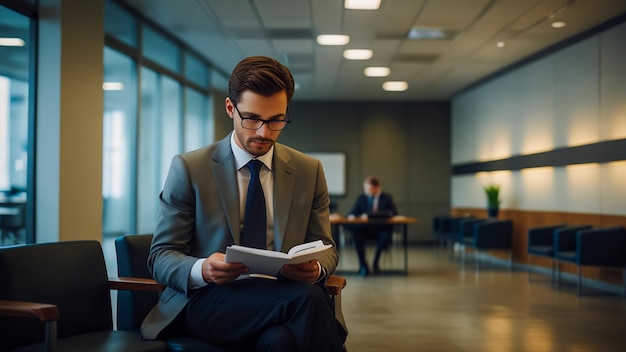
<point>132,307</point>
<point>56,297</point>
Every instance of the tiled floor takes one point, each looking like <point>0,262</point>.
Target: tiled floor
<point>442,306</point>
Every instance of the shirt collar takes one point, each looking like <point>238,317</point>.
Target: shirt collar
<point>242,157</point>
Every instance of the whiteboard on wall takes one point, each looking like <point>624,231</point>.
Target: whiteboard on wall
<point>334,165</point>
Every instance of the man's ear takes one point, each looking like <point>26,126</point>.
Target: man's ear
<point>230,108</point>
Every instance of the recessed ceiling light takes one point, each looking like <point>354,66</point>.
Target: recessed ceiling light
<point>377,71</point>
<point>500,44</point>
<point>113,86</point>
<point>361,4</point>
<point>558,24</point>
<point>357,54</point>
<point>333,39</point>
<point>395,86</point>
<point>426,33</point>
<point>12,42</point>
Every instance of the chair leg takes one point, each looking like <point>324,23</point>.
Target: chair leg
<point>580,280</point>
<point>339,312</point>
<point>557,282</point>
<point>51,336</point>
<point>477,258</point>
<point>552,272</point>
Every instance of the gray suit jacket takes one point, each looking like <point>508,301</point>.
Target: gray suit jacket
<point>199,215</point>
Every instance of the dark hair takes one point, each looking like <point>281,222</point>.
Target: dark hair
<point>372,180</point>
<point>262,75</point>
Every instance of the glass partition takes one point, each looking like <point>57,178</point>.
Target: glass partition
<point>119,131</point>
<point>153,111</point>
<point>15,111</point>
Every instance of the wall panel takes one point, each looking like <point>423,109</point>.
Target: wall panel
<point>534,123</point>
<point>576,93</point>
<point>613,188</point>
<point>613,83</point>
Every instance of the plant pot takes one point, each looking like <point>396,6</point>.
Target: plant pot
<point>493,212</point>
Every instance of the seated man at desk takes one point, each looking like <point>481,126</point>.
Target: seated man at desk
<point>373,202</point>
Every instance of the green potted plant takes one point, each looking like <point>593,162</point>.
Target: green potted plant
<point>493,200</point>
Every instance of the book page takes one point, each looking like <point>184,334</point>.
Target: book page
<point>304,246</point>
<point>261,252</point>
<point>261,261</point>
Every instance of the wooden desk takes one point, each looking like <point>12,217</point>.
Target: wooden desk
<point>337,220</point>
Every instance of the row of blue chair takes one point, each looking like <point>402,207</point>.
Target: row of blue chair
<point>480,234</point>
<point>581,245</point>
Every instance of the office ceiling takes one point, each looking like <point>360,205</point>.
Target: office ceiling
<point>226,31</point>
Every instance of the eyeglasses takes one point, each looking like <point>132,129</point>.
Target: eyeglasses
<point>253,123</point>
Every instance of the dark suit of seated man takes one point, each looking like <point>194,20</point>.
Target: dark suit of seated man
<point>372,200</point>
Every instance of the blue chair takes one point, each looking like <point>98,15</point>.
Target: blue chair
<point>604,247</point>
<point>439,230</point>
<point>540,243</point>
<point>491,234</point>
<point>466,230</point>
<point>450,228</point>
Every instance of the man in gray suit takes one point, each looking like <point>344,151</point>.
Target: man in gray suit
<point>202,212</point>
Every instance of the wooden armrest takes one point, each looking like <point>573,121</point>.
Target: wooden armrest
<point>42,311</point>
<point>135,284</point>
<point>335,284</point>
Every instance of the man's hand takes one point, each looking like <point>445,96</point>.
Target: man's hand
<point>303,272</point>
<point>215,269</point>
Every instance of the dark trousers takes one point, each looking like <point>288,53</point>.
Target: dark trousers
<point>252,314</point>
<point>361,233</point>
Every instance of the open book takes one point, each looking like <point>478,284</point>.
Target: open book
<point>261,261</point>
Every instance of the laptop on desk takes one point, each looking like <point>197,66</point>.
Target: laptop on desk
<point>380,214</point>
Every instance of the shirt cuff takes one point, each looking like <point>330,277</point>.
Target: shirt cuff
<point>195,275</point>
<point>321,274</point>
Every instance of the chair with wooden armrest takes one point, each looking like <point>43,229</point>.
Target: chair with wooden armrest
<point>56,297</point>
<point>132,307</point>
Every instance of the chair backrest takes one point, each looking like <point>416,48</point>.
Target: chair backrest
<point>132,257</point>
<point>542,235</point>
<point>71,275</point>
<point>601,246</point>
<point>565,237</point>
<point>467,227</point>
<point>494,233</point>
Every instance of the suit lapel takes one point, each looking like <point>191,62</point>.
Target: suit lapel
<point>226,179</point>
<point>284,180</point>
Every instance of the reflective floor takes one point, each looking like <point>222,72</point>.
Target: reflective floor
<point>444,306</point>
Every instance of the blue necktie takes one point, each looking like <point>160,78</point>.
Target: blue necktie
<point>254,223</point>
<point>370,203</point>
